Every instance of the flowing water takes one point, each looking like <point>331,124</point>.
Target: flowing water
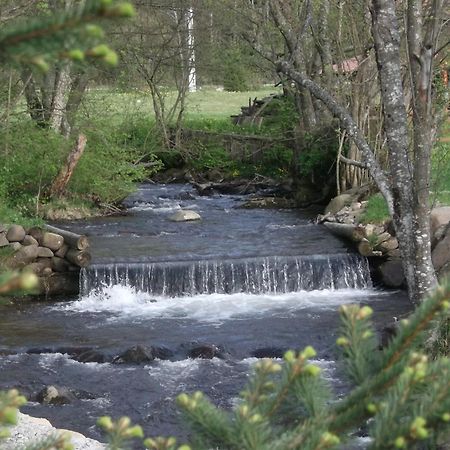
<point>241,280</point>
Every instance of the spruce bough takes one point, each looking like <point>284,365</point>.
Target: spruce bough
<point>401,396</point>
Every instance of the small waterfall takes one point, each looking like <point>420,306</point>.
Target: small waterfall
<point>271,275</point>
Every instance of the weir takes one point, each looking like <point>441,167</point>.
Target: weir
<point>259,275</point>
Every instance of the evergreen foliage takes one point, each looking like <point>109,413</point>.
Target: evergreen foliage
<point>401,396</point>
<point>68,35</point>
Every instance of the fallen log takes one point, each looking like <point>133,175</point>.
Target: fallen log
<point>73,240</point>
<point>354,233</point>
<point>80,258</point>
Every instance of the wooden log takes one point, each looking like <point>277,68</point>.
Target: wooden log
<point>80,258</point>
<point>73,240</point>
<point>386,246</point>
<point>354,233</point>
<point>365,248</point>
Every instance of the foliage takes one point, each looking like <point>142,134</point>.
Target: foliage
<point>400,395</point>
<point>376,210</point>
<point>106,173</point>
<point>440,164</point>
<point>67,35</point>
<point>236,77</point>
<point>318,154</point>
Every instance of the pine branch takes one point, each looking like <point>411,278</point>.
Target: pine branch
<point>411,333</point>
<point>59,34</point>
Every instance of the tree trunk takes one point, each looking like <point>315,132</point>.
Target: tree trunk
<point>60,182</point>
<point>60,90</point>
<point>77,90</point>
<point>411,207</point>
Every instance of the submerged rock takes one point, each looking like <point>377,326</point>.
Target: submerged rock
<point>141,354</point>
<point>185,215</point>
<point>268,352</point>
<point>90,356</point>
<point>205,351</point>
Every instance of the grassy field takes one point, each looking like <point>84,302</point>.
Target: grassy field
<point>206,103</point>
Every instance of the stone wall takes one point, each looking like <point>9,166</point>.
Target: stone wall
<point>54,255</point>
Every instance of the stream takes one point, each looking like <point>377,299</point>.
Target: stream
<point>247,281</point>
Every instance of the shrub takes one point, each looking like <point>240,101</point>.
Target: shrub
<point>31,157</point>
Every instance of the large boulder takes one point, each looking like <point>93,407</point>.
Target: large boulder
<point>391,273</point>
<point>185,215</point>
<point>339,202</point>
<point>3,241</point>
<point>29,240</point>
<point>438,217</point>
<point>441,253</point>
<point>15,233</point>
<point>44,252</point>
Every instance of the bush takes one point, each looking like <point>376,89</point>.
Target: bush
<point>31,157</point>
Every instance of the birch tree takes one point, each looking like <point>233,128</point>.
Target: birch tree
<point>419,27</point>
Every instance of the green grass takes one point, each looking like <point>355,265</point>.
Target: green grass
<point>376,210</point>
<point>440,164</point>
<point>207,103</point>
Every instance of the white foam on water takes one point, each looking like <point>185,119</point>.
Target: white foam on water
<point>156,208</point>
<point>122,301</point>
<point>170,374</point>
<point>50,361</point>
<point>273,226</point>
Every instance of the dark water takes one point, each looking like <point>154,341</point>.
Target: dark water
<point>268,307</point>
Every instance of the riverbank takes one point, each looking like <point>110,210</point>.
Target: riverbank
<point>29,430</point>
<point>346,217</point>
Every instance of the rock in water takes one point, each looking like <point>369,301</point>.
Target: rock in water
<point>391,273</point>
<point>52,395</point>
<point>30,430</point>
<point>206,351</point>
<point>185,215</point>
<point>138,354</point>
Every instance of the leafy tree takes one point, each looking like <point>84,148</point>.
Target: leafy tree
<point>407,34</point>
